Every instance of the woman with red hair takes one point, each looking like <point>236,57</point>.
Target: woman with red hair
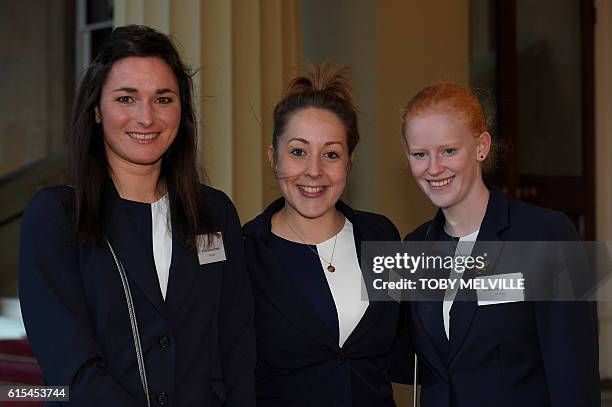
<point>504,353</point>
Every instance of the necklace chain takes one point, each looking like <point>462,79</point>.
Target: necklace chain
<point>330,267</point>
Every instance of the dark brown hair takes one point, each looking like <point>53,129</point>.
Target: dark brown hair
<point>88,170</point>
<point>323,87</point>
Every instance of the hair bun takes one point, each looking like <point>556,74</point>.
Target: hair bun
<point>324,78</point>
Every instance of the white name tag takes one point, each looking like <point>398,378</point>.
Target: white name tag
<point>210,252</point>
<point>500,289</point>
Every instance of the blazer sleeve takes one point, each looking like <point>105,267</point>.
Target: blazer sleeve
<point>236,329</point>
<point>392,232</point>
<point>401,357</point>
<point>54,307</point>
<point>569,343</point>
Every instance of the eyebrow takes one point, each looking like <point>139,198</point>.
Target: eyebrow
<point>307,142</point>
<point>134,90</point>
<point>440,147</point>
<point>449,145</point>
<point>301,140</point>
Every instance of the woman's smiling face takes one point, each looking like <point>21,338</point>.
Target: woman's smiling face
<point>312,162</point>
<point>140,111</point>
<point>444,156</point>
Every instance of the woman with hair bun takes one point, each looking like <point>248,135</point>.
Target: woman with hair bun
<point>318,343</point>
<point>488,353</point>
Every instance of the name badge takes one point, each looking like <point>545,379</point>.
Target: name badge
<point>500,289</point>
<point>210,248</point>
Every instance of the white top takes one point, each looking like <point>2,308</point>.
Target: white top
<point>11,322</point>
<point>346,283</point>
<point>464,248</point>
<point>162,240</point>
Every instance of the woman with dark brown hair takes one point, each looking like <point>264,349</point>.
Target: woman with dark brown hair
<point>319,342</point>
<point>129,276</point>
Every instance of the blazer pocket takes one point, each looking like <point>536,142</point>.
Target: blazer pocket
<point>218,387</point>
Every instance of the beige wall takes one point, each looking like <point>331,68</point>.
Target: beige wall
<point>412,52</point>
<point>37,76</point>
<point>603,113</point>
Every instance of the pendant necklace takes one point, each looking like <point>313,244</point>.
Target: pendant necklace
<point>330,267</point>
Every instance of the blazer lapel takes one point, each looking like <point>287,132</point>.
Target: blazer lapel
<point>184,267</point>
<point>286,296</point>
<point>375,309</point>
<point>124,235</point>
<point>424,343</point>
<point>463,310</point>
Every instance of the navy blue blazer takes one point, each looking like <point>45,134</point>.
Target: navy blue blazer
<point>198,344</point>
<point>509,354</point>
<point>299,361</point>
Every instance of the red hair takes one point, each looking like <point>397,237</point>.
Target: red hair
<point>447,97</point>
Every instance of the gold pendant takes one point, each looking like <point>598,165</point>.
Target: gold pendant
<point>331,268</point>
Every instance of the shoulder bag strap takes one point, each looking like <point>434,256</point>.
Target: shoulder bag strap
<point>135,334</point>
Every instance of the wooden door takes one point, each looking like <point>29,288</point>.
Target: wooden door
<point>536,59</point>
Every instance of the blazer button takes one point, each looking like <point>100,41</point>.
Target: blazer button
<point>162,399</point>
<point>340,358</point>
<point>164,341</point>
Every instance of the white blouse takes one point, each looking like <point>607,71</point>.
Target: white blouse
<point>464,248</point>
<point>346,282</point>
<point>162,241</point>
